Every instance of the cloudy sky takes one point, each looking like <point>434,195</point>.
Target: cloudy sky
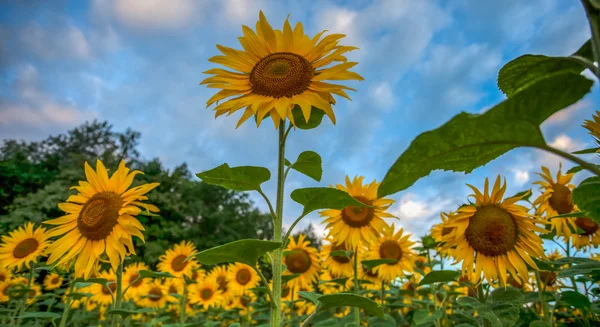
<point>137,63</point>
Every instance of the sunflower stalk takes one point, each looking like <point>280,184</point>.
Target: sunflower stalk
<point>23,304</point>
<point>355,310</point>
<point>542,298</point>
<point>182,305</point>
<point>67,308</point>
<point>593,16</point>
<point>277,255</point>
<point>116,321</point>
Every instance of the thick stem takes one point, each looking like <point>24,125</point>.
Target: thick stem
<point>382,295</point>
<point>355,310</point>
<point>594,20</point>
<point>23,305</point>
<point>119,295</point>
<point>542,297</point>
<point>183,299</point>
<point>482,299</point>
<point>312,315</point>
<point>586,165</point>
<point>278,226</point>
<point>266,282</point>
<point>67,309</point>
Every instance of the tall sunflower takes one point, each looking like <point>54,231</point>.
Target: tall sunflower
<point>556,199</point>
<point>497,237</point>
<point>174,260</point>
<point>205,293</point>
<point>339,265</point>
<point>241,278</point>
<point>394,246</point>
<point>154,295</point>
<point>301,259</point>
<point>52,281</point>
<point>352,225</point>
<point>131,280</point>
<point>23,246</point>
<point>589,235</point>
<point>278,70</point>
<point>100,219</point>
<point>594,127</point>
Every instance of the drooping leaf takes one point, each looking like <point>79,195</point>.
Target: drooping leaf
<point>587,197</point>
<point>587,151</point>
<point>423,316</point>
<point>101,281</point>
<point>40,315</point>
<point>316,116</point>
<point>481,308</point>
<point>154,274</point>
<point>468,141</point>
<point>78,295</point>
<point>577,169</point>
<point>287,278</point>
<point>538,323</point>
<point>350,300</point>
<point>244,178</point>
<point>370,264</point>
<point>526,69</point>
<point>310,164</point>
<point>575,300</point>
<point>581,268</point>
<point>441,276</point>
<point>570,215</point>
<point>341,253</point>
<point>243,251</point>
<point>315,198</point>
<point>313,297</point>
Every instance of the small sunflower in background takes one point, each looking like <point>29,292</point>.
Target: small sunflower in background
<point>304,307</point>
<point>353,225</point>
<point>556,199</point>
<point>22,247</point>
<point>131,280</point>
<point>243,302</point>
<point>327,285</point>
<point>174,288</point>
<point>104,294</point>
<point>5,274</point>
<point>4,291</point>
<point>301,259</point>
<point>589,235</point>
<point>100,219</point>
<point>278,70</point>
<point>338,265</point>
<point>34,291</point>
<point>52,281</point>
<point>206,293</point>
<point>440,231</point>
<point>496,236</point>
<point>154,295</point>
<point>369,278</point>
<point>594,127</point>
<point>219,275</point>
<point>241,278</point>
<point>174,260</point>
<point>394,246</point>
<point>198,274</point>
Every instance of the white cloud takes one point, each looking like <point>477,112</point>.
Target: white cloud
<point>565,143</point>
<point>150,14</point>
<point>244,10</point>
<point>59,42</point>
<point>566,115</point>
<point>521,176</point>
<point>382,94</point>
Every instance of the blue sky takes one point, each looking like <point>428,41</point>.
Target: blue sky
<point>138,63</point>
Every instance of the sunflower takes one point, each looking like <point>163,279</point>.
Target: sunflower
<point>394,246</point>
<point>339,265</point>
<point>33,293</point>
<point>206,293</point>
<point>100,219</point>
<point>220,275</point>
<point>52,281</point>
<point>174,260</point>
<point>104,294</point>
<point>496,236</point>
<point>241,278</point>
<point>4,288</point>
<point>438,231</point>
<point>243,302</point>
<point>303,260</point>
<point>353,224</point>
<point>594,127</point>
<point>556,199</point>
<point>154,295</point>
<point>174,288</point>
<point>327,285</point>
<point>197,275</point>
<point>589,235</point>
<point>369,278</point>
<point>304,307</point>
<point>131,281</point>
<point>279,70</point>
<point>23,246</point>
<point>5,274</point>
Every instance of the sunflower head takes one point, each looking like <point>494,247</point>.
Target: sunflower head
<point>593,126</point>
<point>206,293</point>
<point>5,274</point>
<point>175,261</point>
<point>556,199</point>
<point>279,70</point>
<point>496,236</point>
<point>52,281</point>
<point>589,233</point>
<point>301,259</point>
<point>103,294</point>
<point>23,246</point>
<point>100,219</point>
<point>241,278</point>
<point>393,246</point>
<point>355,224</point>
<point>132,280</point>
<point>154,295</point>
<point>339,265</point>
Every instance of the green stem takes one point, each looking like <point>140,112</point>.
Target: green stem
<point>482,299</point>
<point>264,280</point>
<point>289,231</point>
<point>542,297</point>
<point>183,298</point>
<point>67,309</point>
<point>568,252</point>
<point>586,165</point>
<point>355,310</point>
<point>382,295</point>
<point>594,21</point>
<point>23,305</point>
<point>278,226</point>
<point>119,296</point>
<point>312,315</point>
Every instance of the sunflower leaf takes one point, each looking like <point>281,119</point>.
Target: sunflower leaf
<point>41,315</point>
<point>350,300</point>
<point>243,178</point>
<point>310,164</point>
<point>154,274</point>
<point>316,116</point>
<point>441,276</point>
<point>583,267</point>
<point>571,215</point>
<point>315,198</point>
<point>370,264</point>
<point>481,308</point>
<point>469,141</point>
<point>587,197</point>
<point>575,300</point>
<point>101,281</point>
<point>341,253</point>
<point>527,69</point>
<point>311,296</point>
<point>287,278</point>
<point>242,251</point>
<point>587,151</point>
<point>577,169</point>
<point>79,296</point>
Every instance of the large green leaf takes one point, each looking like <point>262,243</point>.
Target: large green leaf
<point>481,308</point>
<point>583,268</point>
<point>154,274</point>
<point>587,197</point>
<point>244,178</point>
<point>370,264</point>
<point>468,141</point>
<point>41,315</point>
<point>423,316</point>
<point>575,300</point>
<point>316,116</point>
<point>243,251</point>
<point>315,198</point>
<point>124,313</point>
<point>310,164</point>
<point>350,300</point>
<point>441,276</point>
<point>526,69</point>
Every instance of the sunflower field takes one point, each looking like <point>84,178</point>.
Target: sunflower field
<point>497,259</point>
